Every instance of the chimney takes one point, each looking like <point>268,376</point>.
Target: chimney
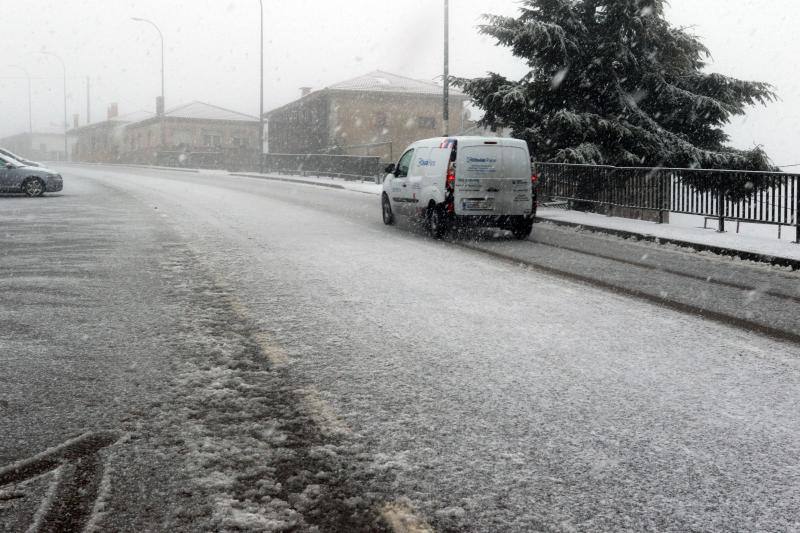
<point>75,122</point>
<point>113,111</point>
<point>305,91</point>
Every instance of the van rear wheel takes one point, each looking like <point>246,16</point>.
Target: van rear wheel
<point>521,228</point>
<point>437,222</point>
<point>386,210</point>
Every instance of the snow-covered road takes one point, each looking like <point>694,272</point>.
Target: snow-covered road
<point>484,394</point>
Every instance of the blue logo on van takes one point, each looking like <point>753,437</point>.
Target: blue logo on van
<point>426,163</point>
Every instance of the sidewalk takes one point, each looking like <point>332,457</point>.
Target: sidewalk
<point>368,187</point>
<point>753,243</point>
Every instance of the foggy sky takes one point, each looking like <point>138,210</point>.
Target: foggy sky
<point>212,51</point>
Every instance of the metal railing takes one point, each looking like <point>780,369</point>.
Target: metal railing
<point>324,165</point>
<point>741,196</point>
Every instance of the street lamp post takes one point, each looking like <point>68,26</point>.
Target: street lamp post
<point>161,111</point>
<point>261,97</point>
<point>446,111</point>
<point>30,106</point>
<point>66,124</point>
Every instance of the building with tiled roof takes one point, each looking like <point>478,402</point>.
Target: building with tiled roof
<point>40,145</point>
<point>384,82</point>
<point>194,134</point>
<point>203,111</point>
<point>378,113</point>
<point>194,127</point>
<point>102,142</point>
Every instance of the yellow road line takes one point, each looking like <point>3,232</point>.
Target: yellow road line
<point>322,413</point>
<point>276,355</point>
<point>402,518</point>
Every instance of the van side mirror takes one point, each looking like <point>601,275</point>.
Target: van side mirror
<point>9,166</point>
<point>390,169</point>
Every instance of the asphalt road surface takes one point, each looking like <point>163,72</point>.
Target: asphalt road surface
<point>189,352</point>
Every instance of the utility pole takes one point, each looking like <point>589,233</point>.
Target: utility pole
<point>160,110</point>
<point>446,110</point>
<point>261,96</point>
<point>88,102</point>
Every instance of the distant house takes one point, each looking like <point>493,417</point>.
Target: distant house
<point>195,134</point>
<point>104,142</point>
<point>39,146</point>
<point>375,114</point>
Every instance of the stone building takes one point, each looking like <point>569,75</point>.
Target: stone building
<point>39,146</point>
<point>104,142</point>
<point>376,114</point>
<point>195,134</point>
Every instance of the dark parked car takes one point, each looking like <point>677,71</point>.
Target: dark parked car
<point>33,181</point>
<point>26,162</point>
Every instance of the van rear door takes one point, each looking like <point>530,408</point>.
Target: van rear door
<point>493,178</point>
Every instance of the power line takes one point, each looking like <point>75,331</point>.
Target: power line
<point>40,78</point>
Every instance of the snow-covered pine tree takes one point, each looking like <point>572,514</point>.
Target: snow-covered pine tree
<point>612,82</point>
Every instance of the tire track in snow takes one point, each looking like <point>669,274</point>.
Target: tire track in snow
<point>71,499</point>
<point>263,447</point>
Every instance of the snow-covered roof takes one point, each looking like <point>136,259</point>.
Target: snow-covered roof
<point>134,116</point>
<point>119,120</point>
<point>386,82</point>
<point>204,111</point>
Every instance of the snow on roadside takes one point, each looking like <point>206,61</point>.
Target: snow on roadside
<point>249,437</point>
<point>698,235</point>
<point>367,187</point>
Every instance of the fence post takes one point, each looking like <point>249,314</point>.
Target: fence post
<point>661,197</point>
<point>721,210</point>
<point>797,210</point>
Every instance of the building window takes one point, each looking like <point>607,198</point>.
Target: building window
<point>182,137</point>
<point>241,142</point>
<point>212,140</point>
<point>381,120</point>
<point>428,123</point>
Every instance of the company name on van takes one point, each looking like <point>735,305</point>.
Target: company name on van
<point>481,160</point>
<point>426,163</point>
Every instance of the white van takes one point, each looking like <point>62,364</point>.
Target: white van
<point>459,181</point>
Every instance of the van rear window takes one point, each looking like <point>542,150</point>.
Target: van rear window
<point>481,161</point>
<point>516,163</point>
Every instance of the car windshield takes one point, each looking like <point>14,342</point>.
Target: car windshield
<point>411,265</point>
<point>6,160</point>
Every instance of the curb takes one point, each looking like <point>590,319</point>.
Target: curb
<point>131,165</point>
<point>287,180</point>
<point>794,264</point>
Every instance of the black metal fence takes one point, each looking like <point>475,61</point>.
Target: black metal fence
<point>751,197</point>
<point>324,165</point>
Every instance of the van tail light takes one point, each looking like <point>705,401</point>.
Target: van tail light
<point>450,184</point>
<point>534,179</point>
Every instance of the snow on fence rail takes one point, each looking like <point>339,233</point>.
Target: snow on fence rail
<point>323,165</point>
<point>742,196</point>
